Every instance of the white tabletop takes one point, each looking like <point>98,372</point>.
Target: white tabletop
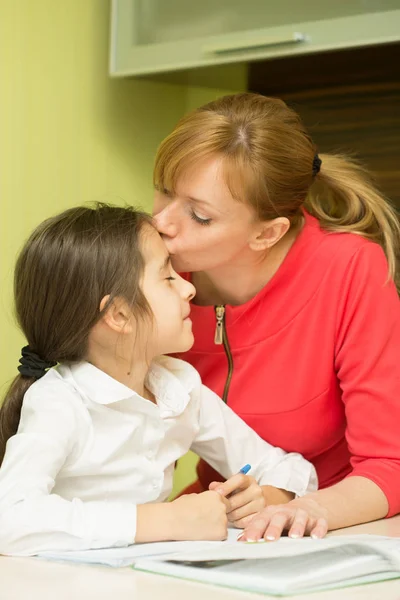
<point>34,579</point>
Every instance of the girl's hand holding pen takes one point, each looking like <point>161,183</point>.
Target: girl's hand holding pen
<point>246,497</point>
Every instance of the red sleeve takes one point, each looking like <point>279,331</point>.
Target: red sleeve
<point>368,365</point>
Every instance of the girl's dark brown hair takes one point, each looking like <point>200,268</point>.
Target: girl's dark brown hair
<point>67,266</point>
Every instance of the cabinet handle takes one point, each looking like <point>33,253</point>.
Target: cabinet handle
<point>220,48</point>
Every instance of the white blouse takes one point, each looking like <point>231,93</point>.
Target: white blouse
<point>89,449</point>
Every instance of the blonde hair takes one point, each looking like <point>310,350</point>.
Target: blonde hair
<point>268,163</point>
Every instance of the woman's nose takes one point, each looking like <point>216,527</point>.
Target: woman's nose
<point>165,223</point>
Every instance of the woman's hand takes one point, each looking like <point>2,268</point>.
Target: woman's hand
<point>303,516</point>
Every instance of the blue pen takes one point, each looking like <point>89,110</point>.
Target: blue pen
<point>245,469</point>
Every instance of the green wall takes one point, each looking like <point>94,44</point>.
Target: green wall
<point>69,133</point>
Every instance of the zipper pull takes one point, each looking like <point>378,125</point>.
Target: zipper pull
<point>219,329</point>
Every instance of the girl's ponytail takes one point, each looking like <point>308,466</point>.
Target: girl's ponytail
<point>31,368</point>
<point>344,199</point>
<point>10,410</point>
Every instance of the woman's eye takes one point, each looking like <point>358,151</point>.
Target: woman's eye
<point>199,219</point>
<point>170,278</point>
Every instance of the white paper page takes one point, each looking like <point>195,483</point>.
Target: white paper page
<point>302,571</point>
<point>207,550</point>
<point>285,547</point>
<point>122,557</point>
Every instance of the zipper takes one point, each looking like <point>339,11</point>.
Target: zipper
<point>221,337</point>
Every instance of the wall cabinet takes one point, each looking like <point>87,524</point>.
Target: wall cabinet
<point>160,36</point>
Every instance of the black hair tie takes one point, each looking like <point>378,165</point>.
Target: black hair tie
<point>32,365</point>
<point>316,165</point>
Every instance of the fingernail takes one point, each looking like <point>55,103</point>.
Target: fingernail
<point>251,541</point>
<point>270,538</point>
<point>294,535</point>
<point>239,537</point>
<point>314,536</point>
<point>220,491</point>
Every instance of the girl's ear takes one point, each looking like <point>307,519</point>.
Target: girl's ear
<point>118,315</point>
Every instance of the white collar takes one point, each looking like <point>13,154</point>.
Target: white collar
<point>169,379</point>
<point>96,384</point>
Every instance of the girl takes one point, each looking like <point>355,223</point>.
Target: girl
<point>296,319</point>
<point>90,457</point>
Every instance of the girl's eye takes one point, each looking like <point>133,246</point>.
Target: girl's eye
<point>199,220</point>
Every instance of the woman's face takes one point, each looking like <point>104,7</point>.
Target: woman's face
<point>202,226</point>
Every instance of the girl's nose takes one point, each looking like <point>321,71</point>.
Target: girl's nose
<point>188,290</point>
<point>191,291</point>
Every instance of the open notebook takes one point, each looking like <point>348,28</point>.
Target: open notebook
<point>285,567</point>
<point>278,568</point>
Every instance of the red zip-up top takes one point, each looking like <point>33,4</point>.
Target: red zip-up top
<point>312,362</point>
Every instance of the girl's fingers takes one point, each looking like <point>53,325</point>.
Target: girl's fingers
<point>299,524</point>
<point>250,494</point>
<point>321,528</point>
<point>250,508</point>
<point>240,499</point>
<point>234,483</point>
<point>278,523</point>
<point>242,523</point>
<point>213,485</point>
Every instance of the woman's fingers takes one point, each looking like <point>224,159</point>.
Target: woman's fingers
<point>278,523</point>
<point>271,522</point>
<point>321,528</point>
<point>299,524</point>
<point>256,528</point>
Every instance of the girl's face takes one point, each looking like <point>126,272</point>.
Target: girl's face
<point>168,296</point>
<point>202,226</point>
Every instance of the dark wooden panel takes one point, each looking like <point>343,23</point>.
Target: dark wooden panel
<point>349,100</point>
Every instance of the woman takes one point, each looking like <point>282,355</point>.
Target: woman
<point>296,319</point>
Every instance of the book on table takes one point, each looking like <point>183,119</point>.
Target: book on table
<point>285,567</point>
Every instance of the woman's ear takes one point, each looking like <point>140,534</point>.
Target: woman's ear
<point>268,233</point>
<point>117,314</point>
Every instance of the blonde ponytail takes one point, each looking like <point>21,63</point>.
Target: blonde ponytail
<point>344,199</point>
